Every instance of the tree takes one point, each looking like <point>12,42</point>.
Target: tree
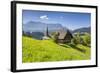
<point>55,36</point>
<point>76,39</point>
<point>86,40</point>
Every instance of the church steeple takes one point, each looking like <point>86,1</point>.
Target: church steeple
<point>47,31</point>
<point>46,36</point>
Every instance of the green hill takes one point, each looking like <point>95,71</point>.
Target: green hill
<point>46,50</point>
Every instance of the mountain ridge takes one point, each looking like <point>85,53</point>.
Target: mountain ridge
<point>40,26</point>
<point>82,30</point>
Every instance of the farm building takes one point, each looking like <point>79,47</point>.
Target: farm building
<point>64,36</point>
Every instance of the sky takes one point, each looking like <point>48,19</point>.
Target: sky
<point>70,20</point>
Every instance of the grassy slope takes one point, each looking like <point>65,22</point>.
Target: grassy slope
<point>46,50</point>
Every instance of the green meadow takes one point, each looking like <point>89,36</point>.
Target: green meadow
<point>47,50</point>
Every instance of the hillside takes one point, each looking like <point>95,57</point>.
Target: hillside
<point>46,50</point>
<point>83,30</point>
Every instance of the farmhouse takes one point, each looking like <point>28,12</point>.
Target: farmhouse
<point>64,36</point>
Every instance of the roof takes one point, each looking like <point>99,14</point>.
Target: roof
<point>62,34</point>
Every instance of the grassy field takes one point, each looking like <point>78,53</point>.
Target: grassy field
<point>46,50</point>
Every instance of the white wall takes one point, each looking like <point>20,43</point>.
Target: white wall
<point>5,36</point>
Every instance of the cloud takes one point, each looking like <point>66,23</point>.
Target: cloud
<point>44,17</point>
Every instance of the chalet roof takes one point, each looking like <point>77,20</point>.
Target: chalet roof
<point>62,34</point>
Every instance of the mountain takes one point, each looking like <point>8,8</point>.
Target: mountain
<point>83,30</point>
<point>38,30</point>
<point>33,26</point>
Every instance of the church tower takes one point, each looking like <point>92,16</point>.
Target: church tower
<point>47,31</point>
<point>46,36</point>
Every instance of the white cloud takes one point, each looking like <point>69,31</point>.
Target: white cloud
<point>44,17</point>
